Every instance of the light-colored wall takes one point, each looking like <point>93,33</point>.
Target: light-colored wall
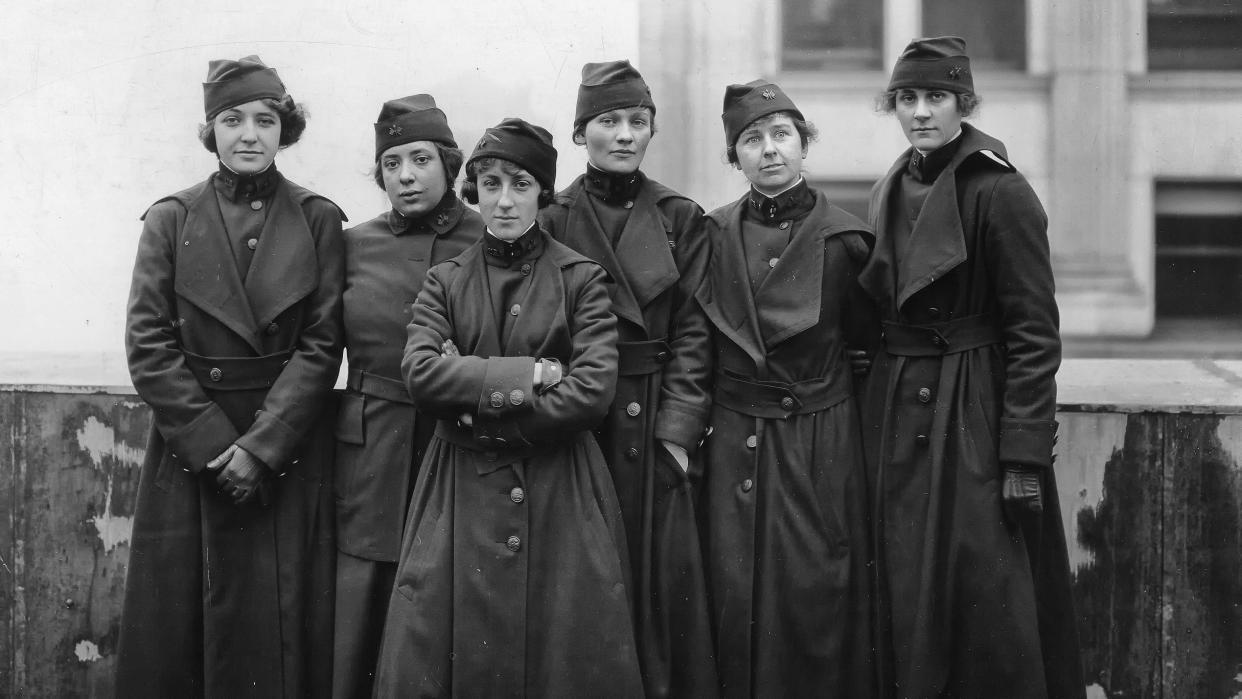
<point>99,105</point>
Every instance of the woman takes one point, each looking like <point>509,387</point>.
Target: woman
<point>380,440</point>
<point>234,341</point>
<point>960,404</point>
<point>512,573</point>
<point>651,242</point>
<point>783,502</point>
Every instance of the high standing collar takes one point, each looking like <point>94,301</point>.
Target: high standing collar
<point>612,187</point>
<point>257,186</point>
<point>791,203</point>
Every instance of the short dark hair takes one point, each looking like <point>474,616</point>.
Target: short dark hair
<point>579,134</point>
<point>450,157</point>
<point>292,115</point>
<point>470,187</point>
<point>967,102</point>
<point>806,132</point>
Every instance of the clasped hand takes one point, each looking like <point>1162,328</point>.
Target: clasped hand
<point>239,474</point>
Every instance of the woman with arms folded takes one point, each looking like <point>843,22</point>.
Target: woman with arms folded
<point>512,576</point>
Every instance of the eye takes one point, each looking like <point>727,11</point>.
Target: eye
<point>751,138</point>
<point>490,183</point>
<point>422,159</point>
<point>639,122</point>
<point>267,122</point>
<point>390,164</point>
<point>521,185</point>
<point>606,121</point>
<point>231,120</point>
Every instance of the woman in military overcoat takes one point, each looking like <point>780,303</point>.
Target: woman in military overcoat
<point>960,406</point>
<point>651,241</point>
<point>784,503</point>
<point>234,341</point>
<point>380,441</point>
<point>512,577</point>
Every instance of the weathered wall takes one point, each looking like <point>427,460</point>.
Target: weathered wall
<point>1152,503</point>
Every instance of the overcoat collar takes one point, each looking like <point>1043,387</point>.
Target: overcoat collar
<point>284,269</point>
<point>642,265</point>
<point>788,300</point>
<point>937,243</point>
<point>442,219</point>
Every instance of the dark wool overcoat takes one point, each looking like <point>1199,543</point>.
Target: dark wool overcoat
<point>655,267</point>
<point>963,383</point>
<point>224,600</point>
<point>512,575</point>
<point>380,440</point>
<point>379,445</point>
<point>783,502</point>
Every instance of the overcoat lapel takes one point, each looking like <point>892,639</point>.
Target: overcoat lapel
<point>285,268</point>
<point>485,333</point>
<point>589,239</point>
<point>727,299</point>
<point>643,249</point>
<point>206,273</point>
<point>878,276</point>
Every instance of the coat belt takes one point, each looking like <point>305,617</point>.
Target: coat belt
<point>938,339</point>
<point>639,358</point>
<point>378,386</point>
<point>237,373</point>
<point>773,399</point>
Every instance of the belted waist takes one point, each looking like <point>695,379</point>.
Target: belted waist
<point>237,373</point>
<point>938,339</point>
<point>378,386</point>
<point>638,358</point>
<point>773,399</point>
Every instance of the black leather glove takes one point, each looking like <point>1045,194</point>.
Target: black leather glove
<point>1022,494</point>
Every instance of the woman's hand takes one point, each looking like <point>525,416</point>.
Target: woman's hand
<point>679,454</point>
<point>240,474</point>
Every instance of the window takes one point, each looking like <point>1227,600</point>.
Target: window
<point>1199,250</point>
<point>994,30</point>
<point>1194,34</point>
<point>832,34</point>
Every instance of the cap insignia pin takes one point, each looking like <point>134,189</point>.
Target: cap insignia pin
<point>955,73</point>
<point>768,95</point>
<point>394,130</point>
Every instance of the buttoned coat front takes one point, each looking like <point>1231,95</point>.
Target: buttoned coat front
<point>783,500</point>
<point>225,600</point>
<point>512,578</point>
<point>972,607</point>
<point>655,267</point>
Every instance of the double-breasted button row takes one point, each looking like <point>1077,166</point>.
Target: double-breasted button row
<point>633,409</point>
<point>513,544</point>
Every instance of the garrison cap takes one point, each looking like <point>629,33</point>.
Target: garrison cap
<point>939,62</point>
<point>610,85</point>
<point>230,83</point>
<point>409,119</point>
<point>745,103</point>
<point>523,144</point>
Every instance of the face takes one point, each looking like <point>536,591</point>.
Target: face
<point>247,137</point>
<point>770,153</point>
<point>508,199</point>
<point>616,141</point>
<point>413,177</point>
<point>929,118</point>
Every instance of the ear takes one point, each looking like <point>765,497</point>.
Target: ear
<point>579,139</point>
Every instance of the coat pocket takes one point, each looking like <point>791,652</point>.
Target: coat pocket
<point>350,424</point>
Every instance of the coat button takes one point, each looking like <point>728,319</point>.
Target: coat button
<point>513,544</point>
<point>256,204</point>
<point>772,262</point>
<point>924,395</point>
<point>500,442</point>
<point>631,453</point>
<point>257,413</point>
<point>633,409</point>
<point>939,341</point>
<point>662,357</point>
<point>922,440</point>
<point>933,312</point>
<point>517,494</point>
<point>215,374</point>
<point>517,396</point>
<point>752,442</point>
<point>485,441</point>
<point>526,269</point>
<point>748,485</point>
<point>497,399</point>
<point>272,328</point>
<point>515,309</point>
<point>787,403</point>
<point>784,225</point>
<point>628,204</point>
<point>252,243</point>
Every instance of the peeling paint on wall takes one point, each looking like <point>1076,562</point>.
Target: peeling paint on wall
<point>1086,443</point>
<point>87,652</point>
<point>99,441</point>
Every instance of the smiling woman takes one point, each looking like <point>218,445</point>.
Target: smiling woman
<point>233,339</point>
